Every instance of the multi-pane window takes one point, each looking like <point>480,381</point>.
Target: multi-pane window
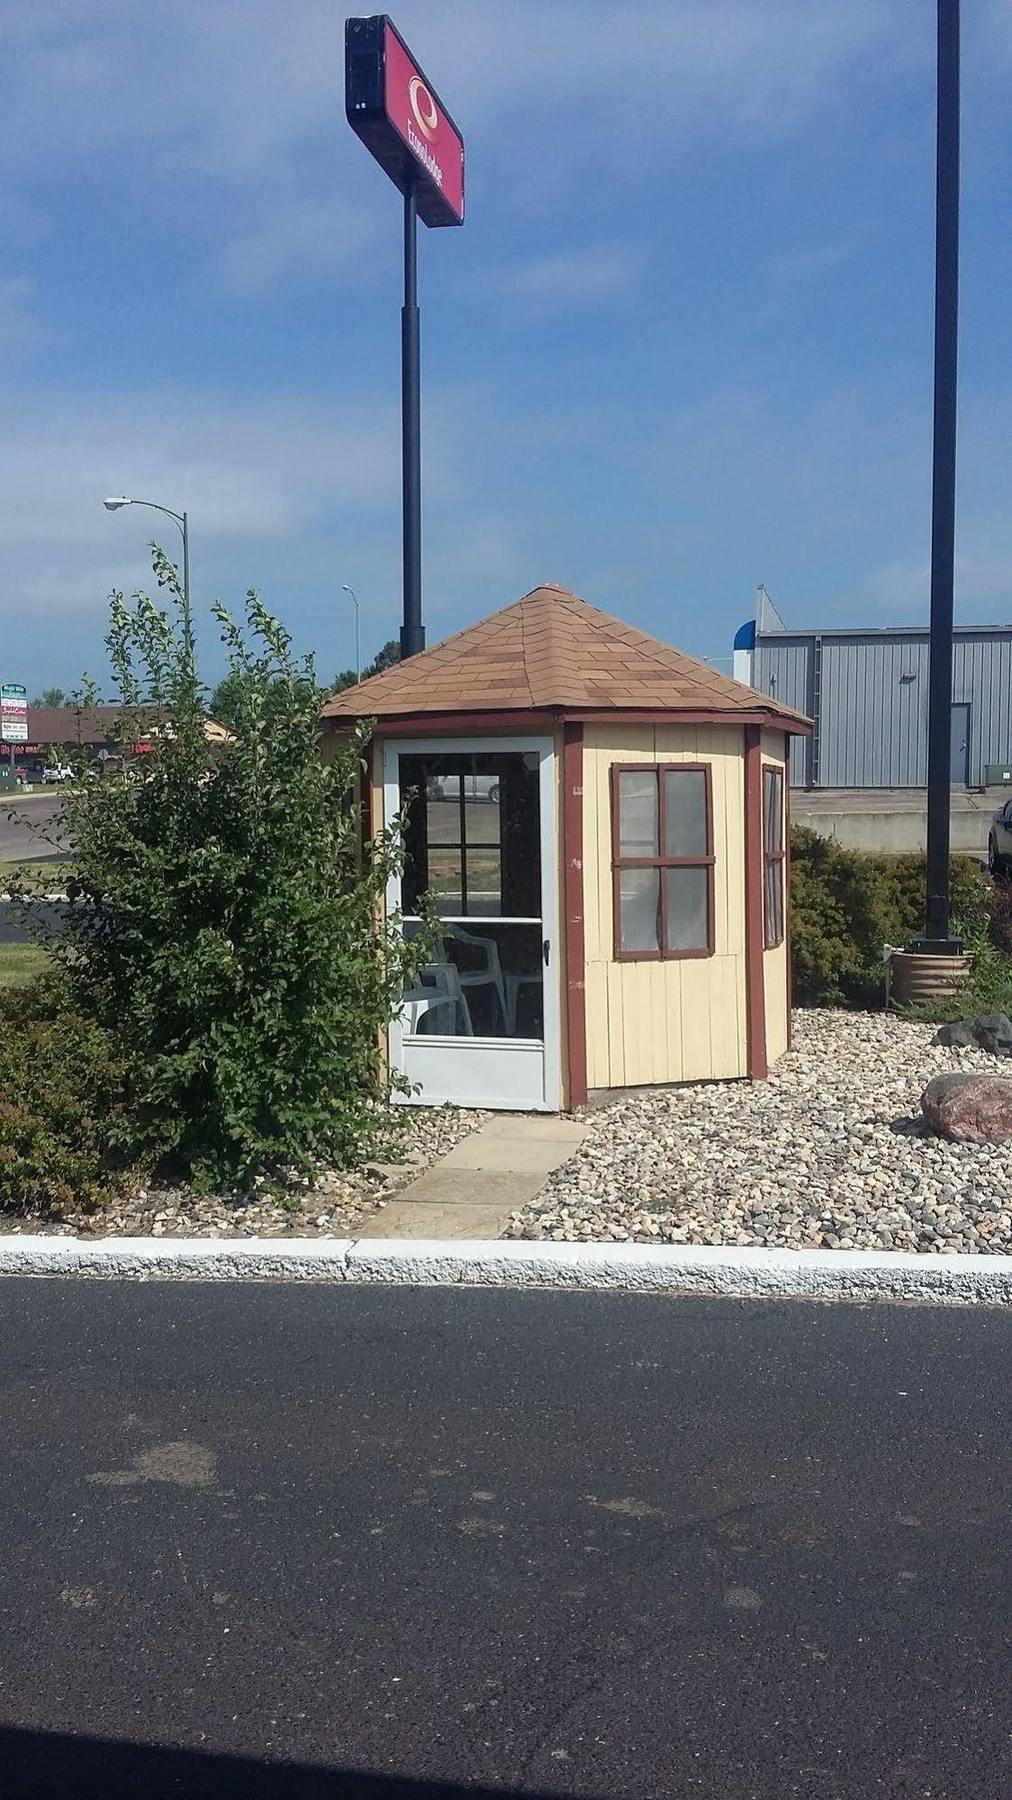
<point>472,835</point>
<point>662,860</point>
<point>773,857</point>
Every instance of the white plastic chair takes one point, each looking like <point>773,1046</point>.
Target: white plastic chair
<point>515,980</point>
<point>489,976</point>
<point>439,989</point>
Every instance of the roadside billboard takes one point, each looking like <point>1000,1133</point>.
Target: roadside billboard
<point>13,713</point>
<point>400,118</point>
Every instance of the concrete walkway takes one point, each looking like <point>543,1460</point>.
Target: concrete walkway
<point>471,1192</point>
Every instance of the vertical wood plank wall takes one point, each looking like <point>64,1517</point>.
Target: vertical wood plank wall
<point>775,961</point>
<point>655,1022</point>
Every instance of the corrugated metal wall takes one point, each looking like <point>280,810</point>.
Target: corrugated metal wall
<point>783,668</point>
<point>874,725</point>
<point>982,675</point>
<point>868,693</point>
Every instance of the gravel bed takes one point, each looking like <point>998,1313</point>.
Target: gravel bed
<point>830,1153</point>
<point>336,1206</point>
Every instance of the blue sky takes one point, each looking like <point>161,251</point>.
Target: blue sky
<point>682,345</point>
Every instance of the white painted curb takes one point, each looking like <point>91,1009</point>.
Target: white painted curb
<point>177,1259</point>
<point>36,899</point>
<point>742,1274</point>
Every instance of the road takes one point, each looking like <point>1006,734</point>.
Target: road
<point>26,827</point>
<point>302,1541</point>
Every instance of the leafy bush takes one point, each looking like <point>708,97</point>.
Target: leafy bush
<point>225,923</point>
<point>1000,929</point>
<point>846,905</point>
<point>61,1090</point>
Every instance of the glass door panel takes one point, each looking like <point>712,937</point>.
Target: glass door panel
<point>482,1025</point>
<point>473,841</point>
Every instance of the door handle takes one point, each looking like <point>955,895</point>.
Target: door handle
<point>546,951</point>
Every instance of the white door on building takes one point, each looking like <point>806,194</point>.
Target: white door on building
<point>481,1028</point>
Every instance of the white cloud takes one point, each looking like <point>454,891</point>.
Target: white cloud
<point>239,91</point>
<point>257,473</point>
<point>894,592</point>
<point>571,278</point>
<point>899,592</point>
<point>229,117</point>
<point>297,239</point>
<point>828,499</point>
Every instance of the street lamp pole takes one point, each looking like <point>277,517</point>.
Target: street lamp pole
<point>943,494</point>
<point>183,521</point>
<point>358,640</point>
<point>187,612</point>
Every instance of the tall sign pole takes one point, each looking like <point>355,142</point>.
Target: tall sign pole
<point>412,629</point>
<point>400,118</point>
<point>943,488</point>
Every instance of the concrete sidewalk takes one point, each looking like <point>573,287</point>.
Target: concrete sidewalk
<point>472,1191</point>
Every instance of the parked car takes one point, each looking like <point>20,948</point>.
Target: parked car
<point>999,841</point>
<point>476,787</point>
<point>57,772</point>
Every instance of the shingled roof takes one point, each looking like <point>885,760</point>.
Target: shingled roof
<point>551,651</point>
<point>72,724</point>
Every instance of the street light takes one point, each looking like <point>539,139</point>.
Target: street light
<point>358,641</point>
<point>937,925</point>
<point>114,503</point>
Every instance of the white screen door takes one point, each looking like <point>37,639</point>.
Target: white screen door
<point>481,1028</point>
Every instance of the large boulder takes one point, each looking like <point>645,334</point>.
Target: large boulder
<point>973,1109</point>
<point>992,1031</point>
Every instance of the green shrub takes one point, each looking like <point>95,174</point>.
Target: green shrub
<point>225,925</point>
<point>61,1090</point>
<point>846,905</point>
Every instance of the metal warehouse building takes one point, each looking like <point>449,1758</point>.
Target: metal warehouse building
<point>867,694</point>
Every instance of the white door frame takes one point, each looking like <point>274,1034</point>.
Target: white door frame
<point>463,1056</point>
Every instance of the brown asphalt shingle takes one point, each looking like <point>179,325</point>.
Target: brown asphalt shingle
<point>549,650</point>
<point>71,724</point>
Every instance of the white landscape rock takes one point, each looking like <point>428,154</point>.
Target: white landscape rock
<point>831,1152</point>
<point>339,1204</point>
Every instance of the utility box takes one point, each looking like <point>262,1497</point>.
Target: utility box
<point>998,774</point>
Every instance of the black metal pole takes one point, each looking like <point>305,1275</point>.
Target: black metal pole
<point>943,488</point>
<point>187,605</point>
<point>412,630</point>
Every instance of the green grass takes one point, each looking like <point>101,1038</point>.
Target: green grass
<point>20,964</point>
<point>51,873</point>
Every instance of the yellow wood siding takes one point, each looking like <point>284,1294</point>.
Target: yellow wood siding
<point>775,961</point>
<point>655,1022</point>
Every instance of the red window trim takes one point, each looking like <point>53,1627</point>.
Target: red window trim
<point>773,857</point>
<point>663,861</point>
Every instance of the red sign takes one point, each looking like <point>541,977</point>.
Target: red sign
<point>399,116</point>
<point>412,108</point>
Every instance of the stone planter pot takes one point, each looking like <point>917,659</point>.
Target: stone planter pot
<point>917,979</point>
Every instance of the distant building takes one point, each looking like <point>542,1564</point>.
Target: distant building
<point>867,693</point>
<point>63,728</point>
<point>69,728</point>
